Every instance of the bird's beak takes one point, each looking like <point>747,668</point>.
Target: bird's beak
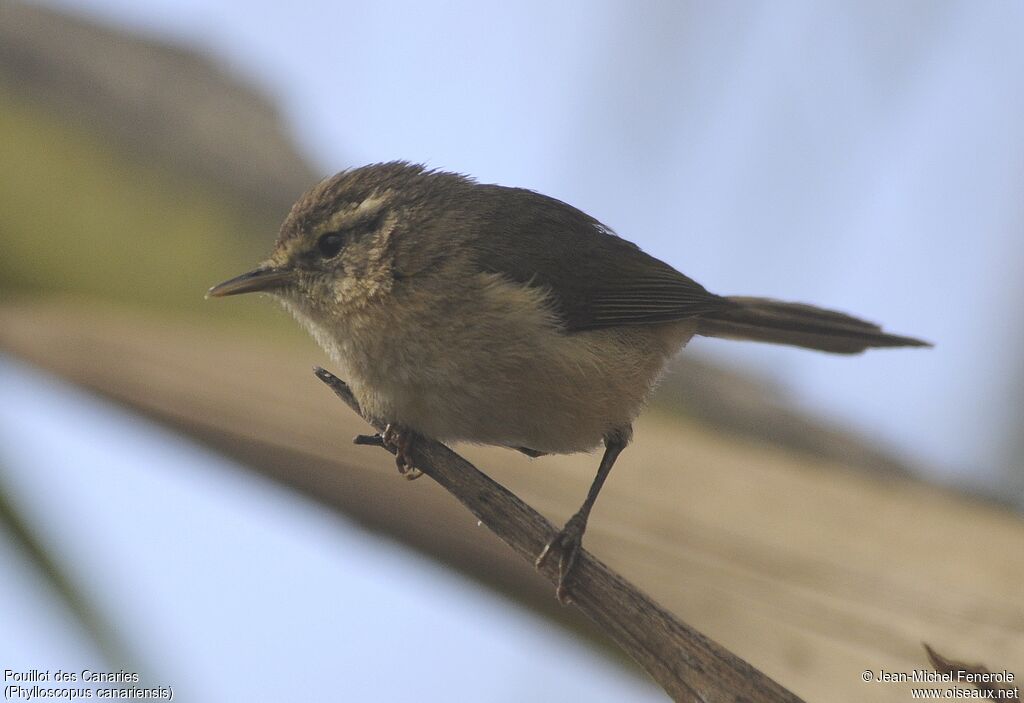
<point>261,279</point>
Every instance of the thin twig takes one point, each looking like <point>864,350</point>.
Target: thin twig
<point>688,665</point>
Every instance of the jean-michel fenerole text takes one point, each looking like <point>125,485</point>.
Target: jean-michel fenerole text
<point>959,676</point>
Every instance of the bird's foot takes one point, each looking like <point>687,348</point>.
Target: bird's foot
<point>399,440</point>
<point>567,543</point>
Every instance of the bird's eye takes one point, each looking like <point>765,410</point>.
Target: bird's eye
<point>330,244</point>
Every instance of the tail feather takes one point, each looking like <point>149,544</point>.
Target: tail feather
<point>799,325</point>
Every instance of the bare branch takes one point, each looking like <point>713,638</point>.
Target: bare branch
<point>688,665</point>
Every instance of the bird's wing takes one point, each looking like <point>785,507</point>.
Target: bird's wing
<point>595,278</point>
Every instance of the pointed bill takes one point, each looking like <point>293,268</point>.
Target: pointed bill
<point>261,279</point>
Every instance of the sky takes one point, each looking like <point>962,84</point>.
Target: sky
<point>227,587</point>
<point>864,156</point>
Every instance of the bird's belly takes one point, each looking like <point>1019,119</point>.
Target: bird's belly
<point>538,405</point>
<point>560,399</point>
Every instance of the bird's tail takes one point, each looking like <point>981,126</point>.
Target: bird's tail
<point>799,325</point>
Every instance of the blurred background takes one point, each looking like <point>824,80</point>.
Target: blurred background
<point>170,489</point>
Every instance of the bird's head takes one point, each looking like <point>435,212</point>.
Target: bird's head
<point>350,238</point>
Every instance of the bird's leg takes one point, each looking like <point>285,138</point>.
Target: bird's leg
<point>569,539</point>
<point>399,441</point>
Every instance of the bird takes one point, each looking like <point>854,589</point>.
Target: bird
<point>472,312</point>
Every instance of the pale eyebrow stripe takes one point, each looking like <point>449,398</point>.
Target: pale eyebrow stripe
<point>364,210</point>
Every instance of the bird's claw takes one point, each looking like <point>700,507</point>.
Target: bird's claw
<point>568,543</point>
<point>400,440</point>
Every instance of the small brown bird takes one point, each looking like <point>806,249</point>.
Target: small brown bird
<point>480,313</point>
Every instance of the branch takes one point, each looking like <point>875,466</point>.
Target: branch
<point>688,665</point>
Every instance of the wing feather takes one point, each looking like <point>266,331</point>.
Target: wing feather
<point>595,278</point>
